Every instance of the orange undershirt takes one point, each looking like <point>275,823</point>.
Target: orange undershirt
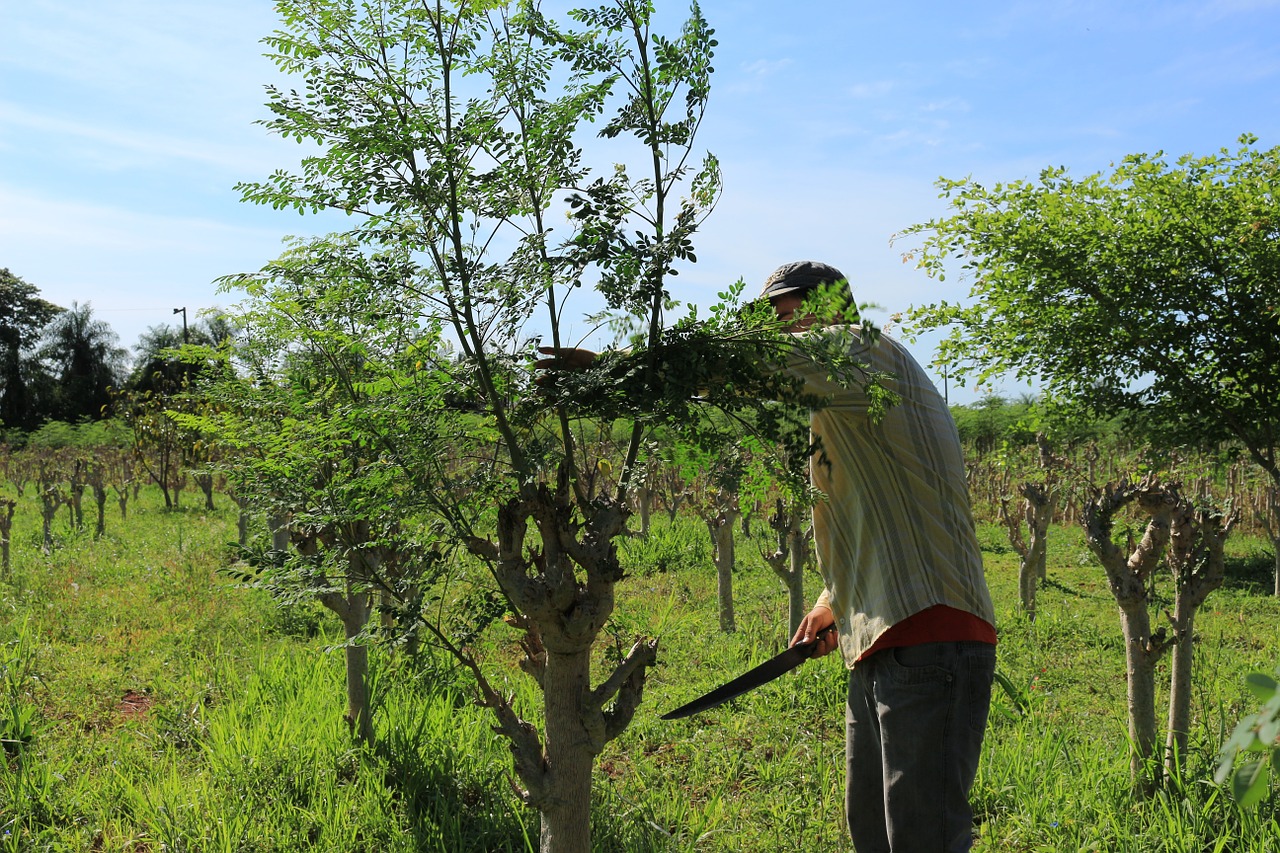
<point>937,624</point>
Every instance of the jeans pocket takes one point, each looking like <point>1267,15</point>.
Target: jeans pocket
<point>923,664</point>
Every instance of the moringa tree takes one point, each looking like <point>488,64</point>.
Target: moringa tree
<point>450,132</point>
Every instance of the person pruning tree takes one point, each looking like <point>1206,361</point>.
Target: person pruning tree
<point>904,587</point>
<point>904,584</point>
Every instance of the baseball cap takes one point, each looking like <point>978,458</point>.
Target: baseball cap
<point>799,276</point>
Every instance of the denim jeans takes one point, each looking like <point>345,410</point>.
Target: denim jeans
<point>914,724</point>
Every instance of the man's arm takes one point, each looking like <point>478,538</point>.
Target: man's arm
<point>565,358</point>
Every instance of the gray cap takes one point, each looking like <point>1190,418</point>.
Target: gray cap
<point>799,276</point>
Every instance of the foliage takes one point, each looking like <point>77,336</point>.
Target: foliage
<point>1152,289</point>
<point>158,367</point>
<point>17,707</point>
<point>23,314</point>
<point>1258,736</point>
<point>84,361</point>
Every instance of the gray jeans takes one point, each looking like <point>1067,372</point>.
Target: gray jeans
<point>914,724</point>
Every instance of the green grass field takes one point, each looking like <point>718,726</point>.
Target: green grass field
<point>152,705</point>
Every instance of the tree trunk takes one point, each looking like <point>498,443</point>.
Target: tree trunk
<point>562,616</point>
<point>1198,566</point>
<point>7,507</point>
<point>1180,688</point>
<point>799,558</point>
<point>721,529</point>
<point>570,757</point>
<point>49,502</point>
<point>353,609</point>
<point>1128,576</point>
<point>644,505</point>
<point>279,525</point>
<point>100,498</point>
<point>1141,655</point>
<point>789,560</point>
<point>359,715</point>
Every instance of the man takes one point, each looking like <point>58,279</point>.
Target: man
<point>904,587</point>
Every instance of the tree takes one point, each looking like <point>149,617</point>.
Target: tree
<point>782,471</point>
<point>1039,502</point>
<point>438,131</point>
<point>714,495</point>
<point>85,361</point>
<point>1129,575</point>
<point>340,425</point>
<point>157,364</point>
<point>23,314</point>
<point>1152,290</point>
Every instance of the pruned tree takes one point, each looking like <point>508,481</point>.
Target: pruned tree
<point>781,468</point>
<point>1129,575</point>
<point>1190,536</point>
<point>7,507</point>
<point>713,491</point>
<point>49,480</point>
<point>790,525</point>
<point>1039,504</point>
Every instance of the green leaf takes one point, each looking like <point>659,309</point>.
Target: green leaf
<point>1261,686</point>
<point>1249,784</point>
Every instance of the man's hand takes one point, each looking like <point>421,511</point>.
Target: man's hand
<point>563,358</point>
<point>819,618</point>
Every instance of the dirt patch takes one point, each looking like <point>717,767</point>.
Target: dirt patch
<point>134,705</point>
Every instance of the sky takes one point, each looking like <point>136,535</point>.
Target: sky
<point>126,124</point>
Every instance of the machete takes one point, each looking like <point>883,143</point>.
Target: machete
<point>769,670</point>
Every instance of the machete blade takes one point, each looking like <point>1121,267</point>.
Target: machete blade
<point>775,666</point>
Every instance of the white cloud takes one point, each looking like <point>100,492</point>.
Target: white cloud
<point>127,147</point>
<point>950,105</point>
<point>875,89</point>
<point>114,44</point>
<point>764,67</point>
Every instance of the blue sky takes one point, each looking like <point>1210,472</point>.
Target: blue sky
<point>124,125</point>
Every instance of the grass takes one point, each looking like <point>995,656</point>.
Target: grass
<point>167,709</point>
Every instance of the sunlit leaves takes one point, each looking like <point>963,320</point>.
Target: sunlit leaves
<point>1149,288</point>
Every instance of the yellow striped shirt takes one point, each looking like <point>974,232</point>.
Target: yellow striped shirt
<point>895,533</point>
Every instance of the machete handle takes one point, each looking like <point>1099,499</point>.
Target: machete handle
<point>812,645</point>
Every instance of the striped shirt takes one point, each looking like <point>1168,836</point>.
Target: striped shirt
<point>894,534</point>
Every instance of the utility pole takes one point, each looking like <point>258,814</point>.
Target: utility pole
<point>183,312</point>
